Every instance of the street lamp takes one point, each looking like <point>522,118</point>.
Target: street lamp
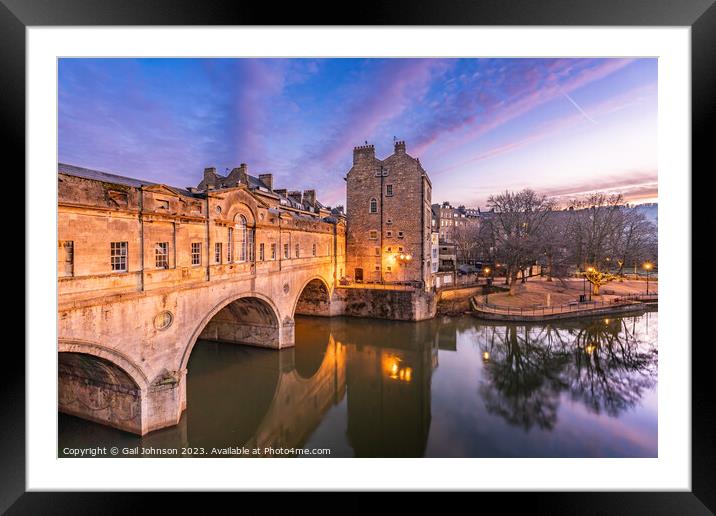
<point>590,269</point>
<point>648,267</point>
<point>487,281</point>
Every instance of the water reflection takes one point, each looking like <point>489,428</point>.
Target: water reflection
<point>448,387</point>
<point>601,362</point>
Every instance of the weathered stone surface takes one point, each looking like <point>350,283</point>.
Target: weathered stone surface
<point>398,223</point>
<point>400,305</point>
<point>146,318</point>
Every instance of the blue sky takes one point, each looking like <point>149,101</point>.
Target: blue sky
<point>564,127</point>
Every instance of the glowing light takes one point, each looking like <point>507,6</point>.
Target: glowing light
<point>606,321</point>
<point>648,266</point>
<point>408,374</point>
<point>486,356</point>
<point>590,348</point>
<point>487,270</point>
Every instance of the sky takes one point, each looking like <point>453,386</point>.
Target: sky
<point>563,127</point>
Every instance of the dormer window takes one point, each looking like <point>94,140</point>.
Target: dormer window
<point>373,206</point>
<point>162,204</point>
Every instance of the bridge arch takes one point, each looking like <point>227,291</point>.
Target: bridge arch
<point>120,360</point>
<point>249,318</point>
<point>93,385</point>
<point>314,298</point>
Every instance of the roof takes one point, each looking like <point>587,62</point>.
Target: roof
<point>107,177</point>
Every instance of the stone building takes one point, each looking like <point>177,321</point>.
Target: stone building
<point>118,234</point>
<point>388,219</point>
<point>145,270</point>
<point>448,220</point>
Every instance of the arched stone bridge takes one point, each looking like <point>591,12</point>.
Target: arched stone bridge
<point>123,361</point>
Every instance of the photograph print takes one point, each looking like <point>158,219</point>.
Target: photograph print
<point>357,257</point>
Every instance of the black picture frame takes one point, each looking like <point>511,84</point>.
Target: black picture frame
<point>700,15</point>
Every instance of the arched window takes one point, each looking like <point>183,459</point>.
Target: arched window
<point>243,238</point>
<point>373,205</point>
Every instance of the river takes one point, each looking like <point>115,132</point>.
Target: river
<point>447,387</point>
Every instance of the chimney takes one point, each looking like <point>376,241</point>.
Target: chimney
<point>267,179</point>
<point>295,196</point>
<point>209,177</point>
<point>281,192</point>
<point>309,197</point>
<point>238,175</point>
<point>400,147</point>
<point>364,152</point>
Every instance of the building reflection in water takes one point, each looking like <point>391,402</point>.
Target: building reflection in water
<point>389,368</point>
<point>377,377</point>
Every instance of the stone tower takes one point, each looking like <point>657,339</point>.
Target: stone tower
<point>388,218</point>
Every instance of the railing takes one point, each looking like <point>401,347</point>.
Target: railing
<point>377,286</point>
<point>575,306</point>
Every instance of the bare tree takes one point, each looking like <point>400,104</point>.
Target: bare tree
<point>517,226</point>
<point>635,241</point>
<point>592,224</point>
<point>467,240</point>
<point>603,235</point>
<point>554,246</point>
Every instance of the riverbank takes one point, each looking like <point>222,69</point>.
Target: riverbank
<point>561,312</point>
<point>539,293</point>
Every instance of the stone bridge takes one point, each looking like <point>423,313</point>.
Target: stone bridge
<point>123,360</point>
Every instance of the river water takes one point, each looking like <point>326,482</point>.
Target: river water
<point>448,387</point>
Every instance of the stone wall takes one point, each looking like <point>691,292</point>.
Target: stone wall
<point>401,305</point>
<point>400,189</point>
<point>95,389</point>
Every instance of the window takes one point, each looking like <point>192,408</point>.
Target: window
<point>162,204</point>
<point>389,190</point>
<point>196,253</point>
<point>251,244</point>
<point>389,268</point>
<point>273,251</point>
<point>400,249</point>
<point>313,250</point>
<point>389,234</point>
<point>118,256</point>
<point>161,255</point>
<point>400,234</point>
<point>229,246</point>
<point>285,251</point>
<point>261,252</point>
<point>243,238</point>
<point>373,235</point>
<point>66,258</point>
<point>373,206</point>
<point>217,252</point>
<point>377,251</point>
<point>389,221</point>
<point>298,251</point>
<point>390,249</point>
<point>377,268</point>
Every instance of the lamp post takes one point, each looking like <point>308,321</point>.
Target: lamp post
<point>648,267</point>
<point>487,281</point>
